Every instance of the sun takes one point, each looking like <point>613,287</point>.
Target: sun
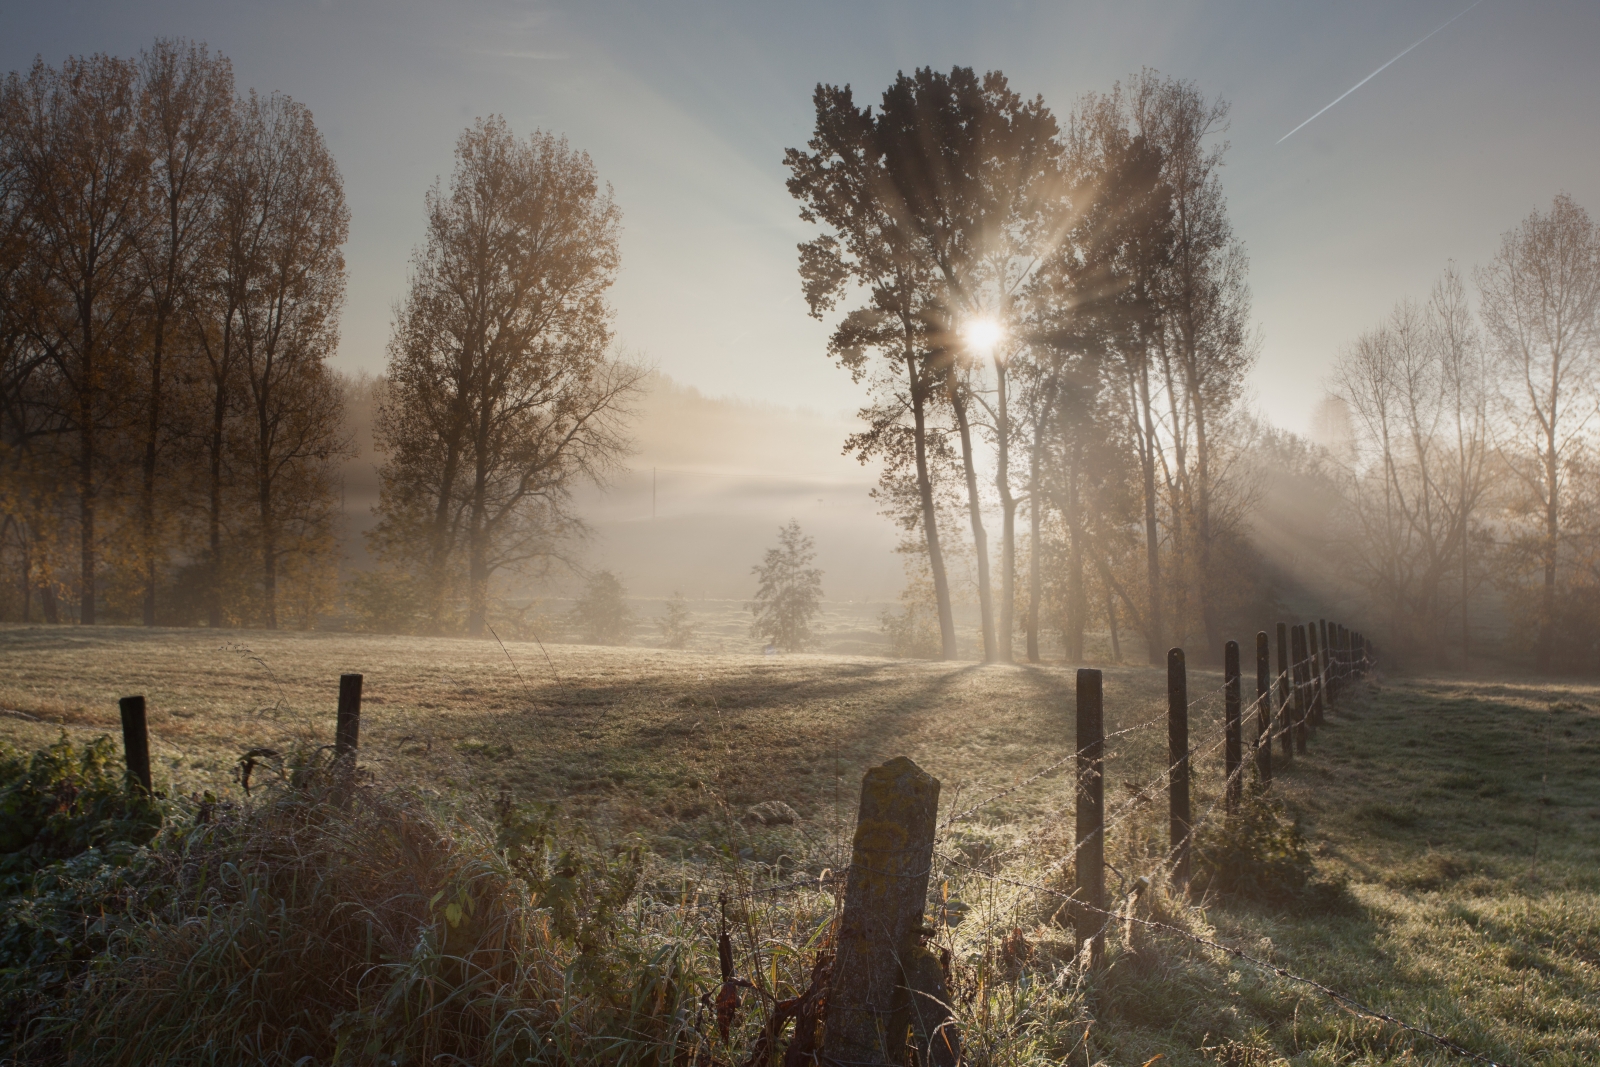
<point>982,335</point>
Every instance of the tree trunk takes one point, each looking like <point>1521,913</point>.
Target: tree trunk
<point>930,514</point>
<point>147,499</point>
<point>980,540</point>
<point>1035,543</point>
<point>1152,531</point>
<point>269,541</point>
<point>1202,521</point>
<point>86,486</point>
<point>214,514</point>
<point>1008,523</point>
<point>1077,599</point>
<point>1111,621</point>
<point>1552,530</point>
<point>478,547</point>
<point>26,541</point>
<point>439,553</point>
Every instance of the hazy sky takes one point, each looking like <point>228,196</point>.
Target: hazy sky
<point>686,109</point>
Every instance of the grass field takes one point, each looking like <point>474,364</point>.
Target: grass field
<point>1455,822</point>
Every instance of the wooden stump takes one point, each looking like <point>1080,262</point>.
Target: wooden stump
<point>885,982</point>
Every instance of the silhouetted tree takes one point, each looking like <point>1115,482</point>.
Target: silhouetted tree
<point>186,128</point>
<point>70,140</point>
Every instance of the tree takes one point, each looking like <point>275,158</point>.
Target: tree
<point>971,168</point>
<point>72,146</point>
<point>1541,308</point>
<point>501,396</point>
<point>677,625</point>
<point>789,591</point>
<point>288,325</point>
<point>1095,319</point>
<point>601,614</point>
<point>185,125</point>
<point>843,184</point>
<point>1413,389</point>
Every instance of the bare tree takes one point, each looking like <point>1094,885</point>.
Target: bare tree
<point>1415,479</point>
<point>1466,386</point>
<point>1541,303</point>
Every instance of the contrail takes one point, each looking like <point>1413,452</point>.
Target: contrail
<point>1380,70</point>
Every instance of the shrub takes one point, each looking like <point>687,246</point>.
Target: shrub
<point>1259,854</point>
<point>65,800</point>
<point>329,924</point>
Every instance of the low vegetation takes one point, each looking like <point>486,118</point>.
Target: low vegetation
<point>537,869</point>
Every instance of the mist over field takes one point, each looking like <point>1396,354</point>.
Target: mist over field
<point>712,535</point>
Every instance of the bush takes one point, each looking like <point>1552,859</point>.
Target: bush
<point>63,801</point>
<point>325,923</point>
<point>1258,854</point>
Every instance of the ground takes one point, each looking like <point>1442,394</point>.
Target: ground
<point>1455,821</point>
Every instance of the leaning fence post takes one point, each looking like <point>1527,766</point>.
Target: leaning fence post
<point>1089,919</point>
<point>136,740</point>
<point>884,981</point>
<point>1178,761</point>
<point>1263,708</point>
<point>1301,679</point>
<point>1285,729</point>
<point>1233,746</point>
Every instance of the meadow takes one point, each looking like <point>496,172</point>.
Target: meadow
<point>1453,823</point>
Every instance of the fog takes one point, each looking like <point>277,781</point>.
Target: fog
<point>698,501</point>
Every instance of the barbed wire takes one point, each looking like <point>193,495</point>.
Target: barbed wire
<point>1282,972</point>
<point>1002,794</point>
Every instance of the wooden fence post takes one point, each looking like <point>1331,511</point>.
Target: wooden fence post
<point>1178,815</point>
<point>884,981</point>
<point>136,741</point>
<point>1234,744</point>
<point>1328,683</point>
<point>1090,857</point>
<point>1297,649</point>
<point>1263,708</point>
<point>1285,727</point>
<point>1314,671</point>
<point>347,733</point>
<point>1344,657</point>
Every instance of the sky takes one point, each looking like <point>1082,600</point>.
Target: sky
<point>686,109</point>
